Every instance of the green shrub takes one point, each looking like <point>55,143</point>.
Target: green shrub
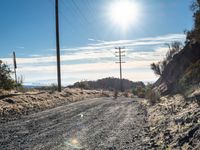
<point>6,82</point>
<point>139,91</point>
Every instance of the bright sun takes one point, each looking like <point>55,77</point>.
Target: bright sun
<point>123,13</point>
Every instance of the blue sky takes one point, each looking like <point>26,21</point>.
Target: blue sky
<point>88,38</point>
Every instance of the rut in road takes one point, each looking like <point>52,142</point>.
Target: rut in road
<point>101,123</point>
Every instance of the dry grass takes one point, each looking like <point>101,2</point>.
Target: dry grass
<point>12,105</point>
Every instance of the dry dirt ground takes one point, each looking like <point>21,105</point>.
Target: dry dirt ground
<point>100,123</point>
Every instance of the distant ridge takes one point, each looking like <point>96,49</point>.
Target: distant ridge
<point>109,83</point>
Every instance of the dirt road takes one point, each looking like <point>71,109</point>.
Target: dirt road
<point>101,123</point>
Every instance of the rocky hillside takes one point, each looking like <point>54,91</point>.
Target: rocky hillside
<point>180,69</point>
<point>108,84</point>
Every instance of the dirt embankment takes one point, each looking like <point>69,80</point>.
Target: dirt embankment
<point>175,122</point>
<point>175,70</point>
<point>13,106</point>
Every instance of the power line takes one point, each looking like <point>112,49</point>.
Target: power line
<point>80,12</point>
<point>119,54</point>
<point>66,20</point>
<point>74,11</point>
<point>90,9</point>
<point>63,15</point>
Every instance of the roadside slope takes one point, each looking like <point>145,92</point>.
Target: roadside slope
<point>175,122</point>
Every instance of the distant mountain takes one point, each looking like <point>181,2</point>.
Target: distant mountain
<point>109,83</point>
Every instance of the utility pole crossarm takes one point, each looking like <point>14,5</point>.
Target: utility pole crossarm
<point>118,55</point>
<point>123,62</point>
<point>121,51</point>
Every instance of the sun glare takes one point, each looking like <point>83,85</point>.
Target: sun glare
<point>124,13</point>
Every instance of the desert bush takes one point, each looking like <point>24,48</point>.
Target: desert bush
<point>156,69</point>
<point>174,48</point>
<point>115,95</point>
<point>153,96</point>
<point>126,94</point>
<point>105,94</point>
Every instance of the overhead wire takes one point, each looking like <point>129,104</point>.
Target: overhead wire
<point>76,11</point>
<point>80,11</point>
<point>67,21</point>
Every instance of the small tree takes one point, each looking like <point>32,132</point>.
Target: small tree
<point>6,82</point>
<point>194,34</point>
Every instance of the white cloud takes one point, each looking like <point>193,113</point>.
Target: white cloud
<point>99,60</point>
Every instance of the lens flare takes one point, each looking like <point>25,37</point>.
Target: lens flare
<point>72,143</point>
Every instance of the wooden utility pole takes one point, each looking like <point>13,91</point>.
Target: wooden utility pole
<point>58,46</point>
<point>120,54</point>
<point>15,66</point>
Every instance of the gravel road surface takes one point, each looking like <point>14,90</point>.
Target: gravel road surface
<point>95,124</point>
